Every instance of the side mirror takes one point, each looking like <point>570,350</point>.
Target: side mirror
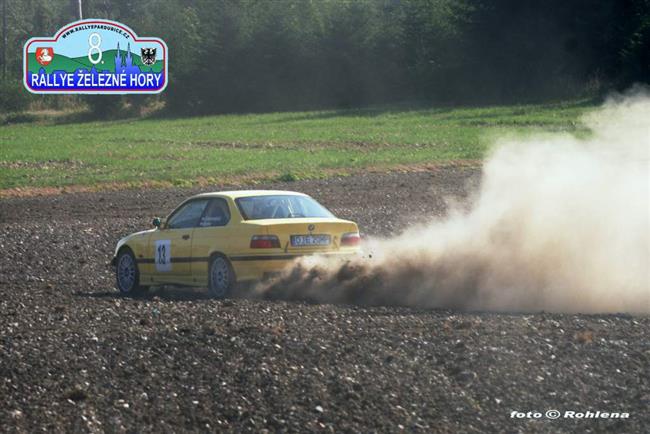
<point>156,222</point>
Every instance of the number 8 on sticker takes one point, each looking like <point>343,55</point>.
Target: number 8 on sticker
<point>94,42</point>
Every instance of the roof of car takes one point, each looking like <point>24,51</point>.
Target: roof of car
<point>246,193</point>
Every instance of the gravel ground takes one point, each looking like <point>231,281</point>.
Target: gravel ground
<point>76,356</point>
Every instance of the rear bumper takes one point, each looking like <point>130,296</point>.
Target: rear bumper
<point>257,267</point>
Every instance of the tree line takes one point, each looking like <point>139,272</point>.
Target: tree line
<point>259,55</point>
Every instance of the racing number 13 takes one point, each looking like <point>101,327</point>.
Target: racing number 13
<point>163,255</point>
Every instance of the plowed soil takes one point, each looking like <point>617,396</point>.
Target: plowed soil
<point>77,356</point>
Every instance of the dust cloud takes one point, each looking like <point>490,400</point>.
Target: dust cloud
<point>560,223</point>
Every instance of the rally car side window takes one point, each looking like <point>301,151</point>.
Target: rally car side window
<point>215,214</point>
<point>188,215</point>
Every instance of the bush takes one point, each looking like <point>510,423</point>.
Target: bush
<point>103,106</point>
<point>13,96</point>
<point>288,177</point>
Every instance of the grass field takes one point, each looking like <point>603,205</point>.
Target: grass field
<point>261,146</point>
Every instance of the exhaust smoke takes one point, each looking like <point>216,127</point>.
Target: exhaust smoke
<point>558,224</point>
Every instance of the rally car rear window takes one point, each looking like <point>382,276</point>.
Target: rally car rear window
<point>280,207</point>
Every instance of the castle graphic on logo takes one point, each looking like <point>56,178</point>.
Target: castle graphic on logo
<point>95,56</point>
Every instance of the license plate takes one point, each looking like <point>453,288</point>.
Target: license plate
<point>310,240</point>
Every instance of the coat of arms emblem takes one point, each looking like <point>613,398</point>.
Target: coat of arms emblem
<point>44,55</point>
<point>148,56</point>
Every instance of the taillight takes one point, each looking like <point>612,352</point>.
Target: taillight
<point>265,242</point>
<point>350,239</point>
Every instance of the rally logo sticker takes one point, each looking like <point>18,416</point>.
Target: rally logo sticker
<point>95,56</point>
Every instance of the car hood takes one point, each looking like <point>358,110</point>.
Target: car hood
<point>121,242</point>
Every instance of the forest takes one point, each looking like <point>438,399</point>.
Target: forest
<point>277,55</point>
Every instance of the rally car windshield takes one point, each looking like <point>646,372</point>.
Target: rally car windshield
<point>280,207</point>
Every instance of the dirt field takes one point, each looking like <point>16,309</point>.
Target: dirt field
<point>76,356</point>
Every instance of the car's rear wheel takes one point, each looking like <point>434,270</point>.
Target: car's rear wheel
<point>127,273</point>
<point>221,277</point>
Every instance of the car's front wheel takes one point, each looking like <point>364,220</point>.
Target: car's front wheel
<point>127,273</point>
<point>221,277</point>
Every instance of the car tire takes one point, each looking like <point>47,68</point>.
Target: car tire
<point>221,277</point>
<point>127,274</point>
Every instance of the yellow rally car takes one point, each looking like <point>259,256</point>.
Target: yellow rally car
<point>218,239</point>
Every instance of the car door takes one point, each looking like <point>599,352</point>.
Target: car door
<point>211,235</point>
<point>171,247</point>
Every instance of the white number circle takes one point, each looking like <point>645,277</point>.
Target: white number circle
<point>94,41</point>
